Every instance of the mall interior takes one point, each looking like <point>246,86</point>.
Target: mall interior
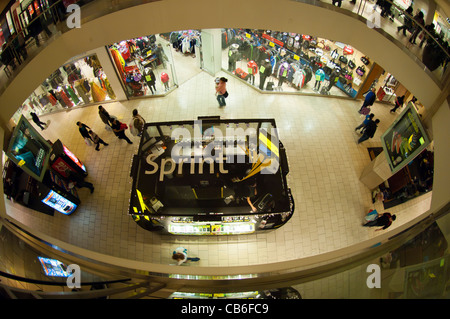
<point>298,74</point>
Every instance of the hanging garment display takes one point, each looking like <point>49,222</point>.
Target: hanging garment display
<point>60,99</point>
<point>109,89</point>
<point>66,99</point>
<point>52,99</point>
<point>72,95</point>
<point>98,95</point>
<point>81,92</point>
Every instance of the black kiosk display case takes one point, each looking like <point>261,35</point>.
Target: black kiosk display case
<point>210,177</point>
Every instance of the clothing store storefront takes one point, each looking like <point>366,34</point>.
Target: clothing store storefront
<point>77,83</point>
<point>144,66</point>
<point>291,62</point>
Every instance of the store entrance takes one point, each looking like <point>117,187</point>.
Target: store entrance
<point>185,49</point>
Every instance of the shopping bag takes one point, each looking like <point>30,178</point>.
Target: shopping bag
<point>365,111</point>
<point>371,215</point>
<point>88,141</point>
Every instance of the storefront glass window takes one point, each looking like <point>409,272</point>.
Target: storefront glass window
<point>291,62</point>
<point>77,83</point>
<point>144,65</point>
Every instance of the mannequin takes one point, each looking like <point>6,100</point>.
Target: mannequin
<point>252,71</point>
<point>320,77</point>
<point>233,57</point>
<point>150,79</point>
<point>165,80</point>
<point>264,71</point>
<point>284,68</point>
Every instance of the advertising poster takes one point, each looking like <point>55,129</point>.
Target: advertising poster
<point>404,139</point>
<point>29,150</point>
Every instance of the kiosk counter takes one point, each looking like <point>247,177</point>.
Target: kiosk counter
<point>210,177</point>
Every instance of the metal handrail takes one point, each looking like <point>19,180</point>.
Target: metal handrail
<point>279,274</point>
<point>54,283</point>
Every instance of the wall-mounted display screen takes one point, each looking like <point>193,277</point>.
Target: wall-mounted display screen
<point>53,267</point>
<point>74,158</point>
<point>29,150</point>
<point>61,204</point>
<point>404,139</point>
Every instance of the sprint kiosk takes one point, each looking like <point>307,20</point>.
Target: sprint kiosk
<point>210,177</point>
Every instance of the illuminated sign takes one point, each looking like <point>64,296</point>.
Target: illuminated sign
<point>29,150</point>
<point>404,139</point>
<point>61,204</point>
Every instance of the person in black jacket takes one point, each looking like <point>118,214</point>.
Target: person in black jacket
<point>264,71</point>
<point>37,120</point>
<point>369,130</point>
<point>385,220</point>
<point>84,130</point>
<point>79,181</point>
<point>119,131</point>
<point>398,103</point>
<point>407,22</point>
<point>418,22</point>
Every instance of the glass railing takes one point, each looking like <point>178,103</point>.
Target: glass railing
<point>32,33</point>
<point>412,263</point>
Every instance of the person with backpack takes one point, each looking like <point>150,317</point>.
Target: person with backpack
<point>119,130</point>
<point>369,130</point>
<point>369,117</point>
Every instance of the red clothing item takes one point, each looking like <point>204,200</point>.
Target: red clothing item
<point>164,77</point>
<point>221,87</point>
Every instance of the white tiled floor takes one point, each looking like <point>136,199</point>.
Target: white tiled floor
<point>325,165</point>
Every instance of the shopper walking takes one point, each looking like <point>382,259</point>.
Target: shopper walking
<point>180,255</point>
<point>37,120</point>
<point>369,99</point>
<point>382,220</point>
<point>407,22</point>
<point>79,181</point>
<point>369,130</point>
<point>138,123</point>
<point>418,22</point>
<point>398,103</point>
<point>221,91</point>
<point>97,140</point>
<point>119,130</point>
<point>84,131</point>
<point>369,117</point>
<point>104,115</point>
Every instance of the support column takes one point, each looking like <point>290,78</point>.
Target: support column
<point>212,50</point>
<point>110,72</point>
<point>430,13</point>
